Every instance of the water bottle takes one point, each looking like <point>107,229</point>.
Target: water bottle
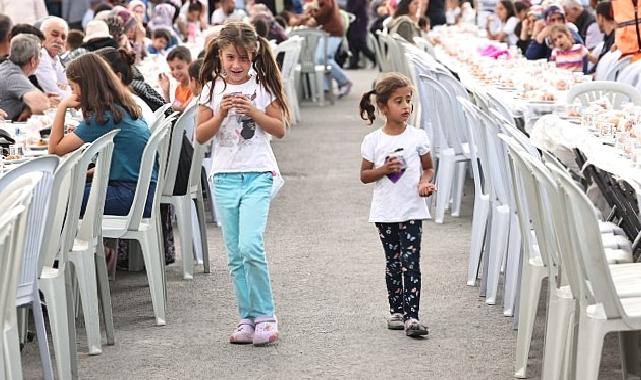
<point>20,141</point>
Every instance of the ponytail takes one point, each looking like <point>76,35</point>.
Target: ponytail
<point>269,76</point>
<point>367,108</point>
<point>211,68</point>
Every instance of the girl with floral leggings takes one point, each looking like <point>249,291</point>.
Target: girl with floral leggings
<point>397,158</point>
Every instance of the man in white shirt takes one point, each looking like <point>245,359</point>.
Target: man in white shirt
<point>227,11</point>
<point>585,21</point>
<point>51,74</point>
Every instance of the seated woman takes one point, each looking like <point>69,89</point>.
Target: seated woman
<point>106,105</point>
<point>507,21</point>
<point>121,62</point>
<point>405,20</point>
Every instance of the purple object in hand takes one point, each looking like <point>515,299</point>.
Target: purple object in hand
<point>394,177</point>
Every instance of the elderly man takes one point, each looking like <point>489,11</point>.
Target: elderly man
<point>227,11</point>
<point>51,74</point>
<point>585,21</point>
<point>18,97</point>
<point>5,35</point>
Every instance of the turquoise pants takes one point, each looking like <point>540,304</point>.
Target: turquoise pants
<point>242,204</point>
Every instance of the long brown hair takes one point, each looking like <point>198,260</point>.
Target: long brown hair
<point>101,90</point>
<point>383,90</point>
<point>244,38</point>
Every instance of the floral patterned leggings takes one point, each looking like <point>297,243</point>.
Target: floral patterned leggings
<point>402,245</point>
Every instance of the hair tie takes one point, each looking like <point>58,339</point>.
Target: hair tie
<point>371,92</point>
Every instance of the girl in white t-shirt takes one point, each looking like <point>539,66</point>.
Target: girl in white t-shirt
<point>507,21</point>
<point>241,111</point>
<point>397,158</point>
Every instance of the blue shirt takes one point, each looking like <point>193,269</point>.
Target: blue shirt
<point>129,144</point>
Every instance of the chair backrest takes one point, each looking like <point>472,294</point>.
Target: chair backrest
<point>291,49</point>
<point>630,74</point>
<point>380,59</point>
<point>36,226</point>
<point>497,160</point>
<point>609,65</point>
<point>616,93</point>
<point>155,151</point>
<point>187,119</point>
<point>159,115</point>
<point>424,45</point>
<point>478,158</point>
<point>23,190</point>
<point>162,120</point>
<point>57,224</point>
<point>13,224</point>
<point>384,46</point>
<point>313,40</point>
<point>196,167</point>
<point>593,270</point>
<point>99,152</point>
<point>400,62</point>
<point>527,201</point>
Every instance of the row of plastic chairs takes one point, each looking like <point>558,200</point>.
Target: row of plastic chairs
<point>588,291</point>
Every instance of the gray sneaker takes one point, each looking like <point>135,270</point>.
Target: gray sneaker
<point>395,322</point>
<point>414,328</point>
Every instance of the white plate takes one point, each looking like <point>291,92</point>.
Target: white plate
<point>15,161</point>
<point>37,147</point>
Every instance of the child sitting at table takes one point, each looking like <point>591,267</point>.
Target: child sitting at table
<point>179,60</point>
<point>160,39</point>
<point>567,54</point>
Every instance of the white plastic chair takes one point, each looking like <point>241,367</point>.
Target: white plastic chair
<point>291,49</point>
<point>136,226</point>
<point>601,308</point>
<point>15,197</point>
<point>87,250</point>
<point>159,116</point>
<point>481,211</point>
<point>9,340</point>
<point>449,149</point>
<point>183,203</point>
<point>609,66</point>
<point>309,70</point>
<point>616,93</point>
<point>62,221</point>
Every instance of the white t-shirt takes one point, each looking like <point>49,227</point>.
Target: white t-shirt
<point>218,17</point>
<point>508,27</point>
<point>240,145</point>
<point>397,201</point>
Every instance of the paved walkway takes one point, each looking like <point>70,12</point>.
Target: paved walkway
<point>327,269</point>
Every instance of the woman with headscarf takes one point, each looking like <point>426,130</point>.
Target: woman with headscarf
<point>134,32</point>
<point>275,30</point>
<point>405,20</point>
<point>540,45</point>
<point>139,9</point>
<point>163,17</point>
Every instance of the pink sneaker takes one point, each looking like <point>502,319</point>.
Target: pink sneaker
<point>266,331</point>
<point>244,333</point>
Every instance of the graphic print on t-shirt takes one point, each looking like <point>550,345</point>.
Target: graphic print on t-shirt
<point>398,154</point>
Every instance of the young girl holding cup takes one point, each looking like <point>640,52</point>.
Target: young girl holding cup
<point>397,158</point>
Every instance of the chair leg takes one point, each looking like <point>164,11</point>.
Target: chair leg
<point>43,341</point>
<point>55,295</point>
<point>514,254</point>
<point>85,265</point>
<point>629,345</point>
<point>479,222</point>
<point>12,362</point>
<point>559,321</point>
<point>444,177</point>
<point>154,266</point>
<point>500,234</point>
<point>105,294</point>
<point>589,349</point>
<point>457,194</point>
<point>200,209</point>
<point>487,248</point>
<point>183,215</point>
<point>529,302</point>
